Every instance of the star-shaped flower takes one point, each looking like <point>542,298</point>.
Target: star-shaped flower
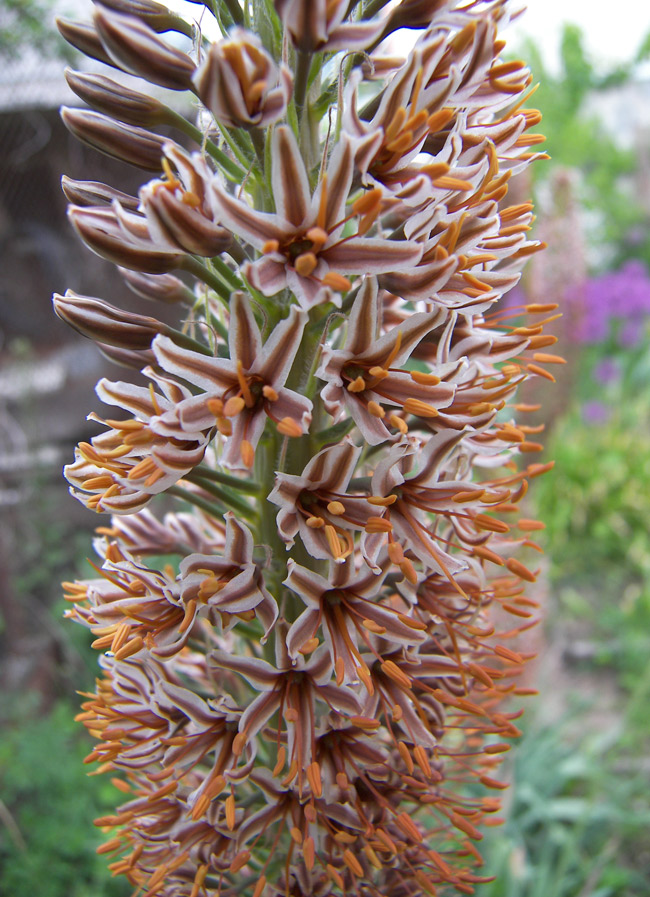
<point>316,505</point>
<point>241,392</point>
<point>304,245</point>
<point>365,375</point>
<point>231,585</point>
<point>346,605</point>
<point>292,687</point>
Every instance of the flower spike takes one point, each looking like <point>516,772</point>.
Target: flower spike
<point>309,653</point>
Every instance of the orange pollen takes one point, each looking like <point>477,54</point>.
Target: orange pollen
<point>243,385</point>
<point>309,646</point>
<point>352,862</point>
<point>376,410</point>
<point>269,393</point>
<point>408,571</point>
<point>395,351</point>
<point>321,219</point>
<point>419,408</point>
<point>368,202</point>
<point>247,453</point>
<point>270,246</point>
<point>230,812</point>
<point>336,508</point>
<point>289,427</point>
<point>305,264</point>
<point>382,502</point>
<point>357,385</point>
<point>314,777</point>
<point>378,525</point>
<point>336,281</point>
<point>234,406</point>
<point>318,237</point>
<point>334,542</point>
<point>425,379</point>
<point>399,423</point>
<point>519,570</point>
<point>393,672</point>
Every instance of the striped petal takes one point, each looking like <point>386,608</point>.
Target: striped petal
<point>289,178</point>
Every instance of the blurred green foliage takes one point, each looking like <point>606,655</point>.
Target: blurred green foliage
<point>47,839</point>
<point>578,139</point>
<point>579,817</point>
<point>576,827</point>
<point>29,23</point>
<point>596,505</point>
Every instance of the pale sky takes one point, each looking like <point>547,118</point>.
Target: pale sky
<point>613,31</point>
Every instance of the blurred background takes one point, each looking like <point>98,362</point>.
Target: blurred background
<point>578,822</point>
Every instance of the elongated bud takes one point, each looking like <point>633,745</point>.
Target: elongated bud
<point>104,323</point>
<point>114,99</point>
<point>94,193</point>
<point>181,224</point>
<point>413,14</point>
<point>120,141</point>
<point>156,15</point>
<point>83,37</point>
<point>316,25</point>
<point>158,287</point>
<point>99,230</point>
<point>137,48</point>
<point>241,84</point>
<point>134,359</point>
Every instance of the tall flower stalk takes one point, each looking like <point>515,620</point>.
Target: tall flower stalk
<point>308,656</point>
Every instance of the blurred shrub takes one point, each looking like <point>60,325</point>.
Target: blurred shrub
<point>47,840</point>
<point>576,827</point>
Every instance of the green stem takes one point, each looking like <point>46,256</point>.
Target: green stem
<point>373,8</point>
<point>187,342</point>
<point>257,136</point>
<point>233,137</point>
<point>228,498</point>
<point>237,253</point>
<point>303,65</point>
<point>236,173</point>
<point>246,486</point>
<point>235,11</point>
<point>202,272</point>
<point>227,273</point>
<point>208,507</point>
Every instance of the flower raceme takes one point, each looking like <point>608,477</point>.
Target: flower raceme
<point>308,660</point>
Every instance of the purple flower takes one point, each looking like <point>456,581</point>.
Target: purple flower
<point>595,412</point>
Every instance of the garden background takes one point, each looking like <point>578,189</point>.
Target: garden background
<point>577,823</point>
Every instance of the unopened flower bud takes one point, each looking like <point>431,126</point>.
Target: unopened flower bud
<point>83,37</point>
<point>99,230</point>
<point>317,25</point>
<point>156,15</point>
<point>94,193</point>
<point>137,48</point>
<point>176,221</point>
<point>115,99</point>
<point>158,287</point>
<point>136,359</point>
<point>104,323</point>
<point>124,142</point>
<point>241,84</point>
